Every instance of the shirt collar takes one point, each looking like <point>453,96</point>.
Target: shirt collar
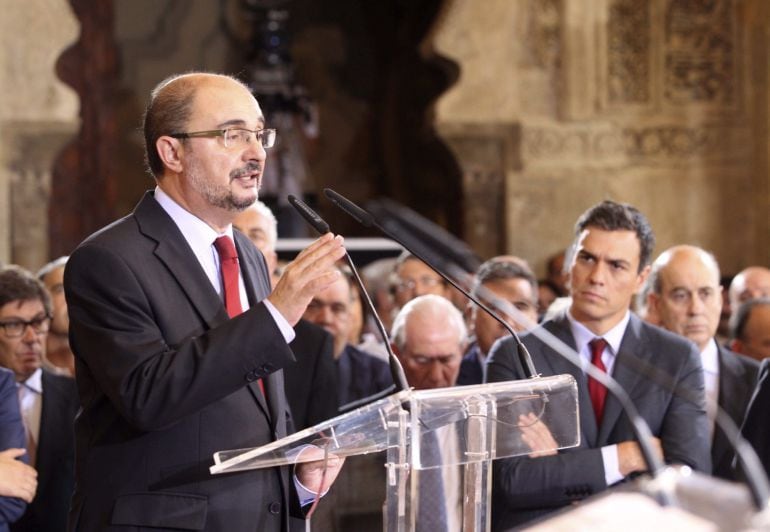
<point>710,357</point>
<point>34,382</point>
<point>583,334</point>
<point>198,233</point>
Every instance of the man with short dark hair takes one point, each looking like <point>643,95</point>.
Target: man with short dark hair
<point>608,266</point>
<point>359,374</point>
<point>685,297</point>
<point>750,329</point>
<point>499,282</point>
<point>48,402</point>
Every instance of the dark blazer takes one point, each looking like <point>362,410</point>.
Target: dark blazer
<point>360,374</point>
<point>166,379</point>
<point>525,488</point>
<point>737,378</point>
<point>311,382</point>
<point>755,427</point>
<point>11,437</point>
<point>55,457</point>
<point>471,371</point>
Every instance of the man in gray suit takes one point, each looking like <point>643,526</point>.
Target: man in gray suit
<point>609,263</point>
<point>685,297</point>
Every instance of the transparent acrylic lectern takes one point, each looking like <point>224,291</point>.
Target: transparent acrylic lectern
<point>469,426</point>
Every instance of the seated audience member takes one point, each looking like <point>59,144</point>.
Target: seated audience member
<point>750,328</point>
<point>310,382</point>
<point>509,282</point>
<point>48,402</point>
<point>608,266</point>
<point>377,277</point>
<point>18,481</point>
<point>58,355</point>
<point>751,283</point>
<point>414,278</point>
<point>685,297</point>
<point>429,335</point>
<point>359,374</point>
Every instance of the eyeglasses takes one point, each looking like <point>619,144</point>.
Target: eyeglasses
<point>15,328</point>
<point>234,137</point>
<point>407,285</point>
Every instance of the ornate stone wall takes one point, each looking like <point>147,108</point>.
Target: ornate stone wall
<point>38,115</point>
<point>660,103</point>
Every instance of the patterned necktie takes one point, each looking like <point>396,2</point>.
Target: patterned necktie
<point>228,263</point>
<point>596,390</point>
<point>31,445</point>
<point>431,508</point>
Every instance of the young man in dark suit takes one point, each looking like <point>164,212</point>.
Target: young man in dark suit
<point>685,297</point>
<point>48,402</point>
<point>609,263</point>
<point>177,336</point>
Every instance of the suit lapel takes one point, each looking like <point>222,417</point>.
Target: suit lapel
<point>633,348</point>
<point>558,365</point>
<point>172,250</point>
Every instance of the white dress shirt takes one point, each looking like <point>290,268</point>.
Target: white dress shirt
<point>31,402</point>
<point>613,337</point>
<point>710,359</point>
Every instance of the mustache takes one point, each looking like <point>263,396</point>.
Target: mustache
<point>250,168</point>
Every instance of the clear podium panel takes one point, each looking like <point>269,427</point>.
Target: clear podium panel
<point>484,422</point>
<point>475,423</point>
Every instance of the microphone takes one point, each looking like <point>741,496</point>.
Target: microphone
<point>640,427</point>
<point>396,370</point>
<point>431,259</point>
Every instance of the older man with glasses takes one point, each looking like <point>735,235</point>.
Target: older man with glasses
<point>48,402</point>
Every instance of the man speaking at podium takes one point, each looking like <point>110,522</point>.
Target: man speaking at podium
<point>609,264</point>
<point>177,337</point>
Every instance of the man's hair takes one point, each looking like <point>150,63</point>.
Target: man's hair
<point>169,111</point>
<point>18,284</point>
<point>500,269</point>
<point>439,310</point>
<point>612,216</point>
<point>740,317</point>
<point>51,266</point>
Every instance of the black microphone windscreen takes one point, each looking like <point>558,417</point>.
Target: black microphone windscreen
<point>309,215</point>
<point>360,215</point>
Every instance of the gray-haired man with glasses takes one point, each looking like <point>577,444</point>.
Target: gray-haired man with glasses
<point>48,402</point>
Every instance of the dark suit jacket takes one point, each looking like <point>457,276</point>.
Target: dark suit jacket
<point>737,378</point>
<point>311,382</point>
<point>11,436</point>
<point>471,371</point>
<point>525,488</point>
<point>166,379</point>
<point>55,458</point>
<point>360,375</point>
<point>755,427</point>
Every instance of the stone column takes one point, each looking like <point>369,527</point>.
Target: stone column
<point>37,116</point>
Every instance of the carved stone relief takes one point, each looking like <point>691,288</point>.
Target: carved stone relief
<point>628,49</point>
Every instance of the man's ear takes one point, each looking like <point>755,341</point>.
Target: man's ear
<point>170,152</point>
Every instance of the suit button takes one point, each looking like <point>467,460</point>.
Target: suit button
<point>264,369</point>
<point>274,508</point>
<point>251,376</point>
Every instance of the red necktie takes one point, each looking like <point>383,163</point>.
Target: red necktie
<point>596,390</point>
<point>228,263</point>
